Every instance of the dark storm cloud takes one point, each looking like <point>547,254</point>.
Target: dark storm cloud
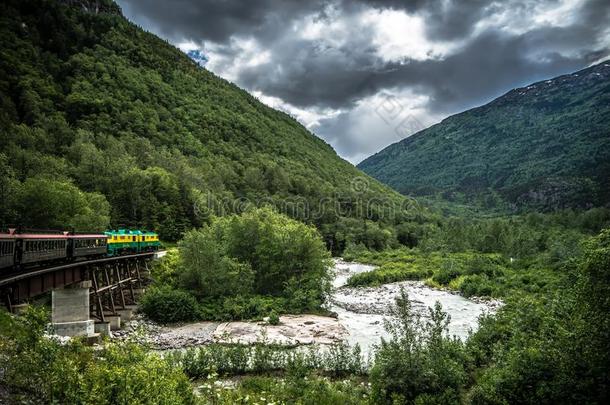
<point>491,63</point>
<point>217,21</point>
<point>311,74</point>
<point>339,72</point>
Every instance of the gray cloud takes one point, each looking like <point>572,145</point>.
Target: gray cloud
<point>338,74</point>
<point>217,21</point>
<point>488,65</point>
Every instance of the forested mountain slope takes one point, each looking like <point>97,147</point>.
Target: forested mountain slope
<point>102,123</point>
<point>544,146</point>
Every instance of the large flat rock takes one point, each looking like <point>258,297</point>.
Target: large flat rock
<point>292,330</point>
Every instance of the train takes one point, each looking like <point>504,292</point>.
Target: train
<point>20,249</point>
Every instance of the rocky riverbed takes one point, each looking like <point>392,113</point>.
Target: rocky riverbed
<point>293,330</point>
<point>360,318</point>
<point>363,310</point>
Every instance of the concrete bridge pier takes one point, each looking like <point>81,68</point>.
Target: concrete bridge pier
<point>70,310</point>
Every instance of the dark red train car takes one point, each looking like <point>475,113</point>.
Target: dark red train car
<point>7,250</point>
<point>87,245</point>
<point>41,247</point>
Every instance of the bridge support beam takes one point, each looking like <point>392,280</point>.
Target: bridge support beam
<point>70,310</point>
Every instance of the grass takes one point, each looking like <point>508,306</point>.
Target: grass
<point>265,358</point>
<point>470,273</point>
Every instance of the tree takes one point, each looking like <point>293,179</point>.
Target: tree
<point>420,363</point>
<point>261,252</point>
<point>206,270</point>
<point>51,204</point>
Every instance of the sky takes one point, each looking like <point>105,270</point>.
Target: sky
<point>363,74</point>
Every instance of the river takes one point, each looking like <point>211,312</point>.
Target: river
<point>360,317</point>
<point>362,310</point>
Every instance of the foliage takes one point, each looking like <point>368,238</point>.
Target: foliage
<point>206,270</point>
<point>308,389</point>
<point>166,305</point>
<point>420,363</point>
<point>337,360</point>
<point>259,252</point>
<point>492,155</point>
<point>164,270</point>
<point>241,307</point>
<point>488,256</point>
<point>549,349</point>
<point>38,369</point>
<point>91,102</point>
<point>274,318</point>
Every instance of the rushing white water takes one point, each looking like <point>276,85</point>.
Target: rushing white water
<point>362,310</point>
<point>361,313</point>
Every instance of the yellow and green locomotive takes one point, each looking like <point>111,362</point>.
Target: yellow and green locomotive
<point>131,241</point>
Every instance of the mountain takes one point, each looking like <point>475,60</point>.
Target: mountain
<point>104,124</point>
<point>545,146</point>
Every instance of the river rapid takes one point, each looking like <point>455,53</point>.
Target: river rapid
<point>360,315</point>
<point>362,310</point>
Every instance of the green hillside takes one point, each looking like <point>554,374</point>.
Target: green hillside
<point>103,124</point>
<point>545,146</point>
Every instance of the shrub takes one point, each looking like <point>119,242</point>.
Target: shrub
<point>449,270</point>
<point>389,273</point>
<point>354,251</point>
<point>477,285</point>
<point>207,271</point>
<point>167,305</point>
<point>420,363</point>
<point>164,271</point>
<point>274,319</point>
<point>38,369</point>
<point>261,252</point>
<point>240,307</point>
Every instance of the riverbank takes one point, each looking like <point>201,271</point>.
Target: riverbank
<point>361,313</point>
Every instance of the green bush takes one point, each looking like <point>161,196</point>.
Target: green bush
<point>420,363</point>
<point>477,285</point>
<point>205,268</point>
<point>389,272</point>
<point>260,252</point>
<point>166,305</point>
<point>38,369</point>
<point>165,270</point>
<point>274,319</point>
<point>240,307</point>
<point>338,360</point>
